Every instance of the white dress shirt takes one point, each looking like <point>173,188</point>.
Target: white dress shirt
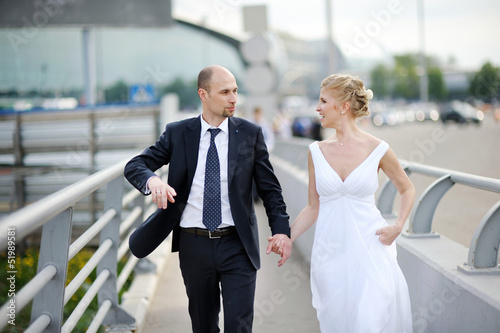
<point>193,213</point>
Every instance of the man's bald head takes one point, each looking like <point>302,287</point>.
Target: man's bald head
<point>205,76</point>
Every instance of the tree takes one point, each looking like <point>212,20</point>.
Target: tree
<point>405,76</point>
<point>187,92</point>
<point>117,93</point>
<point>486,83</point>
<point>405,79</point>
<point>380,78</point>
<point>437,88</point>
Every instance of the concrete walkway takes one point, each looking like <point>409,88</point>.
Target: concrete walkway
<point>283,296</point>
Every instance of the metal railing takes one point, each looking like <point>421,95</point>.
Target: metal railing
<point>484,246</point>
<point>54,214</point>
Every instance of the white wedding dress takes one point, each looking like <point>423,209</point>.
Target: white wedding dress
<point>357,285</point>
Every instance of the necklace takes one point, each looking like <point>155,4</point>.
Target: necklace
<point>342,142</point>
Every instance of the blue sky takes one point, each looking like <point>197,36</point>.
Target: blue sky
<point>466,31</point>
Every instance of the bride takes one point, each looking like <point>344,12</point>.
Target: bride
<point>357,285</point>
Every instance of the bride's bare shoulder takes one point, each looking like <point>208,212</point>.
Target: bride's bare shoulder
<point>371,140</point>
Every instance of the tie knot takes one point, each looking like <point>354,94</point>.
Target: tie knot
<point>214,132</point>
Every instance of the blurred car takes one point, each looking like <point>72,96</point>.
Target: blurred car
<point>385,118</point>
<point>426,111</point>
<point>427,114</point>
<point>461,113</point>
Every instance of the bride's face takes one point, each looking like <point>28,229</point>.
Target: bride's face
<point>328,109</point>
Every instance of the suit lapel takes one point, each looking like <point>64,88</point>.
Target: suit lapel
<point>192,144</point>
<point>236,137</point>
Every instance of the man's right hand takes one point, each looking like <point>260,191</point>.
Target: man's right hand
<point>161,192</point>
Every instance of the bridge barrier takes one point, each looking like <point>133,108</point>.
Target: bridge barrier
<point>447,294</point>
<point>47,288</point>
<point>67,145</point>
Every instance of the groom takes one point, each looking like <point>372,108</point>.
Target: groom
<point>207,201</point>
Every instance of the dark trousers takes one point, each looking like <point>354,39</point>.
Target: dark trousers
<point>211,267</point>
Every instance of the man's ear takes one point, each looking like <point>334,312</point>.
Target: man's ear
<point>202,93</point>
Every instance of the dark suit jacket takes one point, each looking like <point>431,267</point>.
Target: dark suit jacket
<point>248,159</point>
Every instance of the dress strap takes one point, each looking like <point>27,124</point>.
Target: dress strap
<point>380,150</point>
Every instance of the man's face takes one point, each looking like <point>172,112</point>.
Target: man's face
<point>220,101</point>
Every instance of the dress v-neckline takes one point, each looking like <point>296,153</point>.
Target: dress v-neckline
<point>353,170</point>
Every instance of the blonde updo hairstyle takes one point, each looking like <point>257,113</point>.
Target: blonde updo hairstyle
<point>346,88</point>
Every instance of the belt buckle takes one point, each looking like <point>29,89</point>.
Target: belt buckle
<point>210,235</point>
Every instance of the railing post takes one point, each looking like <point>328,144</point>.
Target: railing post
<point>385,201</point>
<point>54,247</point>
<point>423,214</point>
<point>140,201</point>
<point>116,315</point>
<point>484,247</point>
<point>19,182</point>
<point>93,152</point>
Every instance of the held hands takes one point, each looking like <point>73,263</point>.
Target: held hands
<point>161,192</point>
<point>280,244</point>
<point>388,234</point>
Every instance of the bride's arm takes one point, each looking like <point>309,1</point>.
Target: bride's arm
<point>392,168</point>
<point>309,214</point>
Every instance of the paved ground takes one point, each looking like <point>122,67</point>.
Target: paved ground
<point>283,297</point>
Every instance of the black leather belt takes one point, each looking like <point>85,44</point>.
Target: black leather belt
<point>217,233</point>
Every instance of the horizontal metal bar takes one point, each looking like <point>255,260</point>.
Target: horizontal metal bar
<point>27,219</point>
<point>101,113</point>
<point>124,248</point>
<point>86,270</point>
<point>130,219</point>
<point>56,146</point>
<point>91,232</point>
<point>99,316</point>
<point>124,274</point>
<point>39,325</point>
<point>479,182</point>
<point>84,303</point>
<point>28,292</point>
<point>130,196</point>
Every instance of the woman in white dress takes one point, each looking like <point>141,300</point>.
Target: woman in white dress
<point>357,285</point>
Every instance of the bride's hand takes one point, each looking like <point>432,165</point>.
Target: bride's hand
<point>388,234</point>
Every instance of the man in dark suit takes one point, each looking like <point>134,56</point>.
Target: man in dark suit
<point>207,200</point>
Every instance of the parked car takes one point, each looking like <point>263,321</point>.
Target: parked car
<point>461,113</point>
<point>426,111</point>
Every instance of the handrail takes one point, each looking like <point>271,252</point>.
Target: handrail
<point>47,289</point>
<point>28,219</point>
<point>479,182</point>
<point>484,249</point>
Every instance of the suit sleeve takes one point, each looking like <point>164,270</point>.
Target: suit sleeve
<point>140,168</point>
<point>269,189</point>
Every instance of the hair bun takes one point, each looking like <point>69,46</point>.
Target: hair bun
<point>369,94</point>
